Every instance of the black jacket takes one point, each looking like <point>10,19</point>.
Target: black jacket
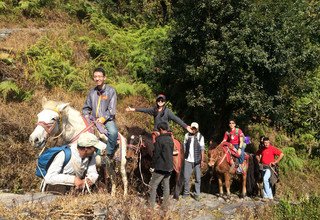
<point>164,116</point>
<point>163,150</point>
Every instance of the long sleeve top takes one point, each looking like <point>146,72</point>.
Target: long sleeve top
<point>75,167</point>
<point>162,155</point>
<point>101,103</point>
<point>164,116</point>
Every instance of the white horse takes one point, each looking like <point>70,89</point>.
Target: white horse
<point>60,119</point>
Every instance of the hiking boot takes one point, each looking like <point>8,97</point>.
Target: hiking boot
<point>239,169</point>
<point>185,196</point>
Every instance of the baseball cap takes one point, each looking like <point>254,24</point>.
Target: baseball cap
<point>195,125</point>
<point>90,140</point>
<point>161,96</point>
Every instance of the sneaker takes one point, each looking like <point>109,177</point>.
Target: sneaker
<point>239,169</point>
<point>185,196</point>
<point>175,152</point>
<point>197,198</point>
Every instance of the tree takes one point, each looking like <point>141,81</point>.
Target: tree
<point>238,58</point>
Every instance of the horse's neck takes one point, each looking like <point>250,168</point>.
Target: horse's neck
<point>73,123</point>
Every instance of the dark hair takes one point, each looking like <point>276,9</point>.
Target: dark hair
<point>261,138</point>
<point>232,119</point>
<point>265,139</point>
<point>100,69</point>
<point>163,126</point>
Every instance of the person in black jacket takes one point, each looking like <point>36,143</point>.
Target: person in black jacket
<point>161,114</point>
<point>162,165</point>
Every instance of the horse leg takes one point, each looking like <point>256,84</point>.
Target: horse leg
<point>227,182</point>
<point>179,178</point>
<point>244,185</point>
<point>220,185</point>
<point>112,175</point>
<point>123,163</point>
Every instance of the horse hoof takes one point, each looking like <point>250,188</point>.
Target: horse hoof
<point>243,196</point>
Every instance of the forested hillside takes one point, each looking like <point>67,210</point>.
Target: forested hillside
<point>255,61</point>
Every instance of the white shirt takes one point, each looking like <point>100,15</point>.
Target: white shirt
<point>75,167</point>
<point>191,149</point>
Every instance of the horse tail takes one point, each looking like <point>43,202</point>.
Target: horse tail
<point>253,167</point>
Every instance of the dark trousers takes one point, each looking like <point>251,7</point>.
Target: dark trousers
<point>156,179</point>
<point>58,189</point>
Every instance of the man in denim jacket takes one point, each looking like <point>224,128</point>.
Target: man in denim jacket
<point>101,104</point>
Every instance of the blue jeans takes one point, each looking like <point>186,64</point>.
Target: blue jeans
<point>267,190</point>
<point>188,167</point>
<point>241,158</point>
<point>112,137</point>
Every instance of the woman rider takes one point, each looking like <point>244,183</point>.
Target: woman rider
<point>160,113</point>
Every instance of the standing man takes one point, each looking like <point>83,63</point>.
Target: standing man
<point>78,171</point>
<point>236,137</point>
<point>101,104</point>
<point>194,158</point>
<point>266,156</point>
<point>162,165</point>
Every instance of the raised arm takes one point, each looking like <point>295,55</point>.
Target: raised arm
<point>176,119</point>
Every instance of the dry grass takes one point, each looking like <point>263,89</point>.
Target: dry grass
<point>86,207</point>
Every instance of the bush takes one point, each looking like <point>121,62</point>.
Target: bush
<point>51,64</point>
<point>291,161</point>
<point>10,91</point>
<point>308,208</point>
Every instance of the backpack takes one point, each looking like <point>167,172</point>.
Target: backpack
<point>46,158</point>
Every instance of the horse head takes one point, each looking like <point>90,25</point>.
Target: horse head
<point>139,144</point>
<point>216,155</point>
<point>48,123</point>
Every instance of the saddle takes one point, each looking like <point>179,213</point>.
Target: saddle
<point>102,133</point>
<point>232,158</point>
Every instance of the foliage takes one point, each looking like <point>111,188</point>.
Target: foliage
<point>51,63</point>
<point>290,161</point>
<point>308,208</point>
<point>10,91</point>
<point>124,51</point>
<point>244,59</point>
<point>126,89</point>
<point>3,5</point>
<point>305,113</point>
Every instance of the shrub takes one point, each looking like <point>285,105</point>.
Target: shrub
<point>290,160</point>
<point>10,90</point>
<point>51,64</point>
<point>308,208</point>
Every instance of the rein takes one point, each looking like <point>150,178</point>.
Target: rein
<point>87,128</point>
<point>137,148</point>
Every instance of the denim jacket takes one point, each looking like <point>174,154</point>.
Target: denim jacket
<point>107,106</point>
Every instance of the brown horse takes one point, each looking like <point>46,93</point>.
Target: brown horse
<point>139,159</point>
<point>221,160</point>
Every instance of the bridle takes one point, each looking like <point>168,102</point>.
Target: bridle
<point>48,127</point>
<point>138,146</point>
<point>137,149</point>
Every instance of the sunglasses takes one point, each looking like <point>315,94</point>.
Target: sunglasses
<point>161,100</point>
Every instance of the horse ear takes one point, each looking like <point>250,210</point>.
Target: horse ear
<point>62,106</point>
<point>44,100</point>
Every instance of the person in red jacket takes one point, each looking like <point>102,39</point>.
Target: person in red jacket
<point>236,137</point>
<point>268,156</point>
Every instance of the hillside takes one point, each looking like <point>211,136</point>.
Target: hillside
<point>48,49</point>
